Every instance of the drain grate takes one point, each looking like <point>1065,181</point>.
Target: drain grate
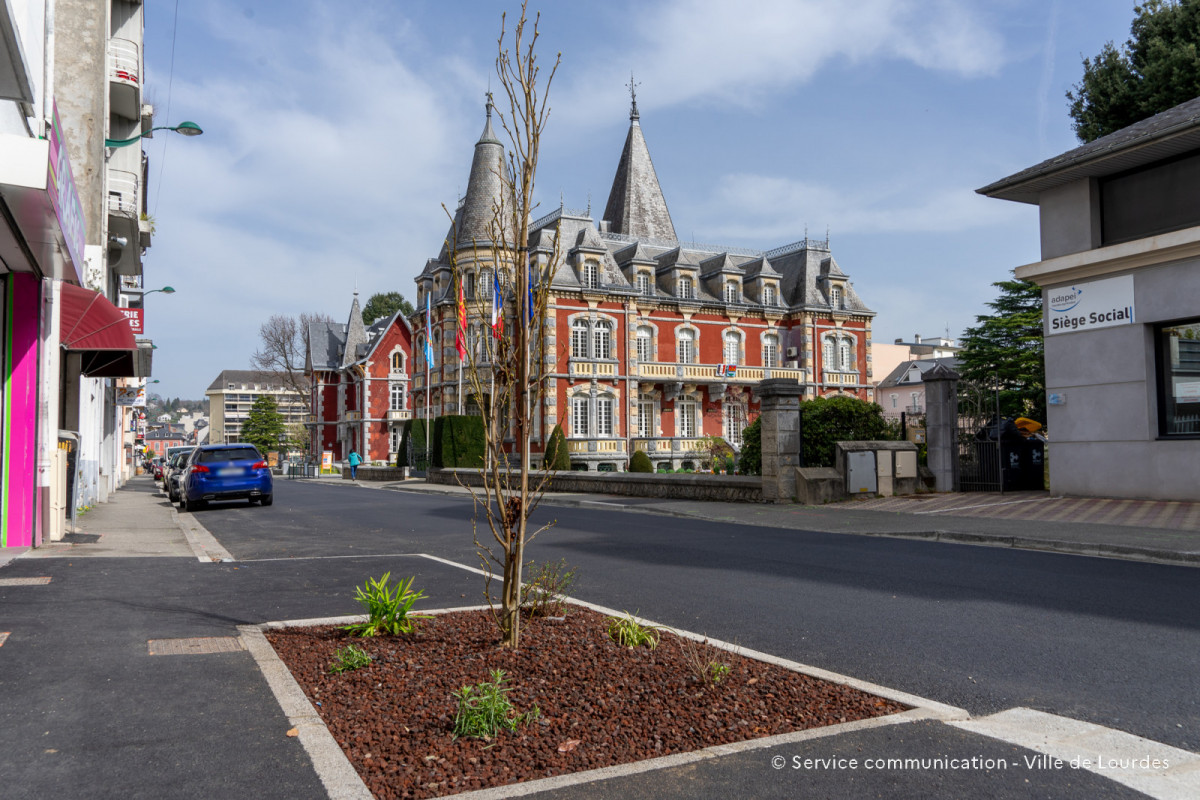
<point>23,581</point>
<point>195,646</point>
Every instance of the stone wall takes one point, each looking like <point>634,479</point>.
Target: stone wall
<point>366,473</point>
<point>696,486</point>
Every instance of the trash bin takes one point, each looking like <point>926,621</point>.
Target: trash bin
<point>1034,463</point>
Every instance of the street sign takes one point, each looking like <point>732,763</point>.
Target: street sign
<point>134,315</point>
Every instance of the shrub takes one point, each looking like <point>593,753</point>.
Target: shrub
<point>558,457</point>
<point>640,462</point>
<point>544,594</point>
<point>728,465</point>
<point>349,658</point>
<point>458,441</point>
<point>704,660</point>
<point>388,609</point>
<point>484,709</point>
<point>628,632</point>
<point>828,420</point>
<point>750,462</point>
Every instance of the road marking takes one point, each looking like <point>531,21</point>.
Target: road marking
<point>4,637</point>
<point>24,581</point>
<point>985,505</point>
<point>1155,769</point>
<point>331,558</point>
<point>204,545</point>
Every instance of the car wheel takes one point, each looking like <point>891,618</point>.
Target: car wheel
<point>267,499</point>
<point>183,503</point>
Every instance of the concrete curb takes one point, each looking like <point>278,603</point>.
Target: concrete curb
<point>342,781</point>
<point>204,545</point>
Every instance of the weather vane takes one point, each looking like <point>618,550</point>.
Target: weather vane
<point>633,113</point>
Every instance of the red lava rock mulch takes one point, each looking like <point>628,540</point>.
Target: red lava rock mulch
<point>394,718</point>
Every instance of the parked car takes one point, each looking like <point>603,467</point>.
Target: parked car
<point>225,472</point>
<point>156,467</point>
<point>176,465</point>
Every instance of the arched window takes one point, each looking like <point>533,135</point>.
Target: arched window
<point>687,289</point>
<point>579,337</point>
<point>827,361</point>
<point>397,362</point>
<point>645,344</point>
<point>732,351</point>
<point>770,351</point>
<point>845,355</point>
<point>686,347</point>
<point>604,416</point>
<point>579,416</point>
<point>732,295</point>
<point>590,275</point>
<point>468,284</point>
<point>768,295</point>
<point>602,340</point>
<point>643,284</point>
<point>645,415</point>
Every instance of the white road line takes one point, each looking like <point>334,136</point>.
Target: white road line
<point>204,545</point>
<point>332,558</point>
<point>1155,769</point>
<point>984,505</point>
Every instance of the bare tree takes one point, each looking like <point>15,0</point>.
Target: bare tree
<point>284,346</point>
<point>509,370</point>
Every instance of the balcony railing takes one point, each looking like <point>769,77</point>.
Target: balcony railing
<point>702,373</point>
<point>588,369</point>
<point>601,446</point>
<point>398,414</point>
<point>123,198</point>
<point>352,416</point>
<point>665,445</point>
<point>124,63</point>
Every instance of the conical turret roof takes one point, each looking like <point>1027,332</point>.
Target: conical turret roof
<point>485,187</point>
<point>636,206</point>
<point>356,334</point>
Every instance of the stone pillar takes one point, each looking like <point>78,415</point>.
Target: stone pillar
<point>780,438</point>
<point>941,426</point>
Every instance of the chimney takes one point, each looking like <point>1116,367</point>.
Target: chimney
<point>917,338</point>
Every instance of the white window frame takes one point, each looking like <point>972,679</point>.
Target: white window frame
<point>846,355</point>
<point>685,346</point>
<point>687,288</point>
<point>835,297</point>
<point>602,339</point>
<point>731,348</point>
<point>396,391</point>
<point>686,426</point>
<point>734,417</point>
<point>644,284</point>
<point>768,295</point>
<point>732,295</point>
<point>590,275</point>
<point>579,338</point>
<point>580,418</point>
<point>770,351</point>
<point>645,344</point>
<point>828,347</point>
<point>604,416</point>
<point>645,416</point>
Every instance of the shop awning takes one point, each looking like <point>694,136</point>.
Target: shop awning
<point>96,329</point>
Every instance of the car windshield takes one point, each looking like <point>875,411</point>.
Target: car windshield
<point>228,454</point>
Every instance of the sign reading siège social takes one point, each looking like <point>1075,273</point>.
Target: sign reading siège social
<point>1090,305</point>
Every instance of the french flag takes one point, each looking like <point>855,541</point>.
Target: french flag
<point>497,308</point>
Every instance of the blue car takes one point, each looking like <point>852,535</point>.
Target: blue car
<point>225,472</point>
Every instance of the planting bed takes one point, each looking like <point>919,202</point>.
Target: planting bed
<point>601,704</point>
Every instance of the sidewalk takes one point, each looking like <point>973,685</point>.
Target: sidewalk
<point>1140,530</point>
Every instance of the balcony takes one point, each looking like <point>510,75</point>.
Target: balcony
<point>352,416</point>
<point>124,78</point>
<point>593,369</point>
<point>398,415</point>
<point>597,446</point>
<point>665,445</point>
<point>702,373</point>
<point>123,198</point>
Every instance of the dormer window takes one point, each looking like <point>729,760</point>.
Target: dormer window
<point>643,284</point>
<point>732,295</point>
<point>590,275</point>
<point>687,289</point>
<point>835,297</point>
<point>768,295</point>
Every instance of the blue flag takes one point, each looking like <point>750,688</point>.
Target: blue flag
<point>428,334</point>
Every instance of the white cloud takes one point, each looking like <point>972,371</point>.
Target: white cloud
<point>770,209</point>
<point>715,50</point>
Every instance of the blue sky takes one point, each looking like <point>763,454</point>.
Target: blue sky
<point>334,135</point>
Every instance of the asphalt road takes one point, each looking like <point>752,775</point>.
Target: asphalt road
<point>986,629</point>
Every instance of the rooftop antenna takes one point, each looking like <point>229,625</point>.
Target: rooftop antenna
<point>632,86</point>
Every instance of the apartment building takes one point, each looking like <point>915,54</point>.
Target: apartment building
<point>232,395</point>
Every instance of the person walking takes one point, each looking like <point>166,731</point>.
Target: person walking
<point>355,460</point>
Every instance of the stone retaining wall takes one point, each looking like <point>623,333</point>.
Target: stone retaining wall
<point>366,473</point>
<point>695,486</point>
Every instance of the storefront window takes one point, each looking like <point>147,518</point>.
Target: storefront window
<point>1179,379</point>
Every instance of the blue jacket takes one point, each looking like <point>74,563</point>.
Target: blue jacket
<point>355,459</point>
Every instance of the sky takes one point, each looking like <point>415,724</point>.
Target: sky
<point>334,134</point>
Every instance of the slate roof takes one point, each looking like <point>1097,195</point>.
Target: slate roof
<point>356,336</point>
<point>325,343</point>
<point>246,377</point>
<point>899,375</point>
<point>1174,131</point>
<point>636,205</point>
<point>485,186</point>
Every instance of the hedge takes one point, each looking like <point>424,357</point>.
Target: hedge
<point>414,431</point>
<point>458,441</point>
<point>640,462</point>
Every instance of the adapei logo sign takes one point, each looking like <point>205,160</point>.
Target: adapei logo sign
<point>1085,306</point>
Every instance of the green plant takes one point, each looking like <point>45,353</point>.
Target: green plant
<point>349,658</point>
<point>628,632</point>
<point>703,660</point>
<point>484,709</point>
<point>558,457</point>
<point>640,462</point>
<point>729,465</point>
<point>388,608</point>
<point>458,441</point>
<point>545,593</point>
<point>750,462</point>
<point>825,421</point>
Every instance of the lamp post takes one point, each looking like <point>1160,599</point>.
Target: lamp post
<point>186,128</point>
<point>164,290</point>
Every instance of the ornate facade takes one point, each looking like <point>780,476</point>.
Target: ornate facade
<point>651,343</point>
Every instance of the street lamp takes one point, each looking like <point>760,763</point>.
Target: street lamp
<point>164,290</point>
<point>186,128</point>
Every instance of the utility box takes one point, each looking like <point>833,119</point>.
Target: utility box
<point>906,464</point>
<point>860,473</point>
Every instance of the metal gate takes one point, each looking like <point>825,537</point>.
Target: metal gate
<point>417,461</point>
<point>979,465</point>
